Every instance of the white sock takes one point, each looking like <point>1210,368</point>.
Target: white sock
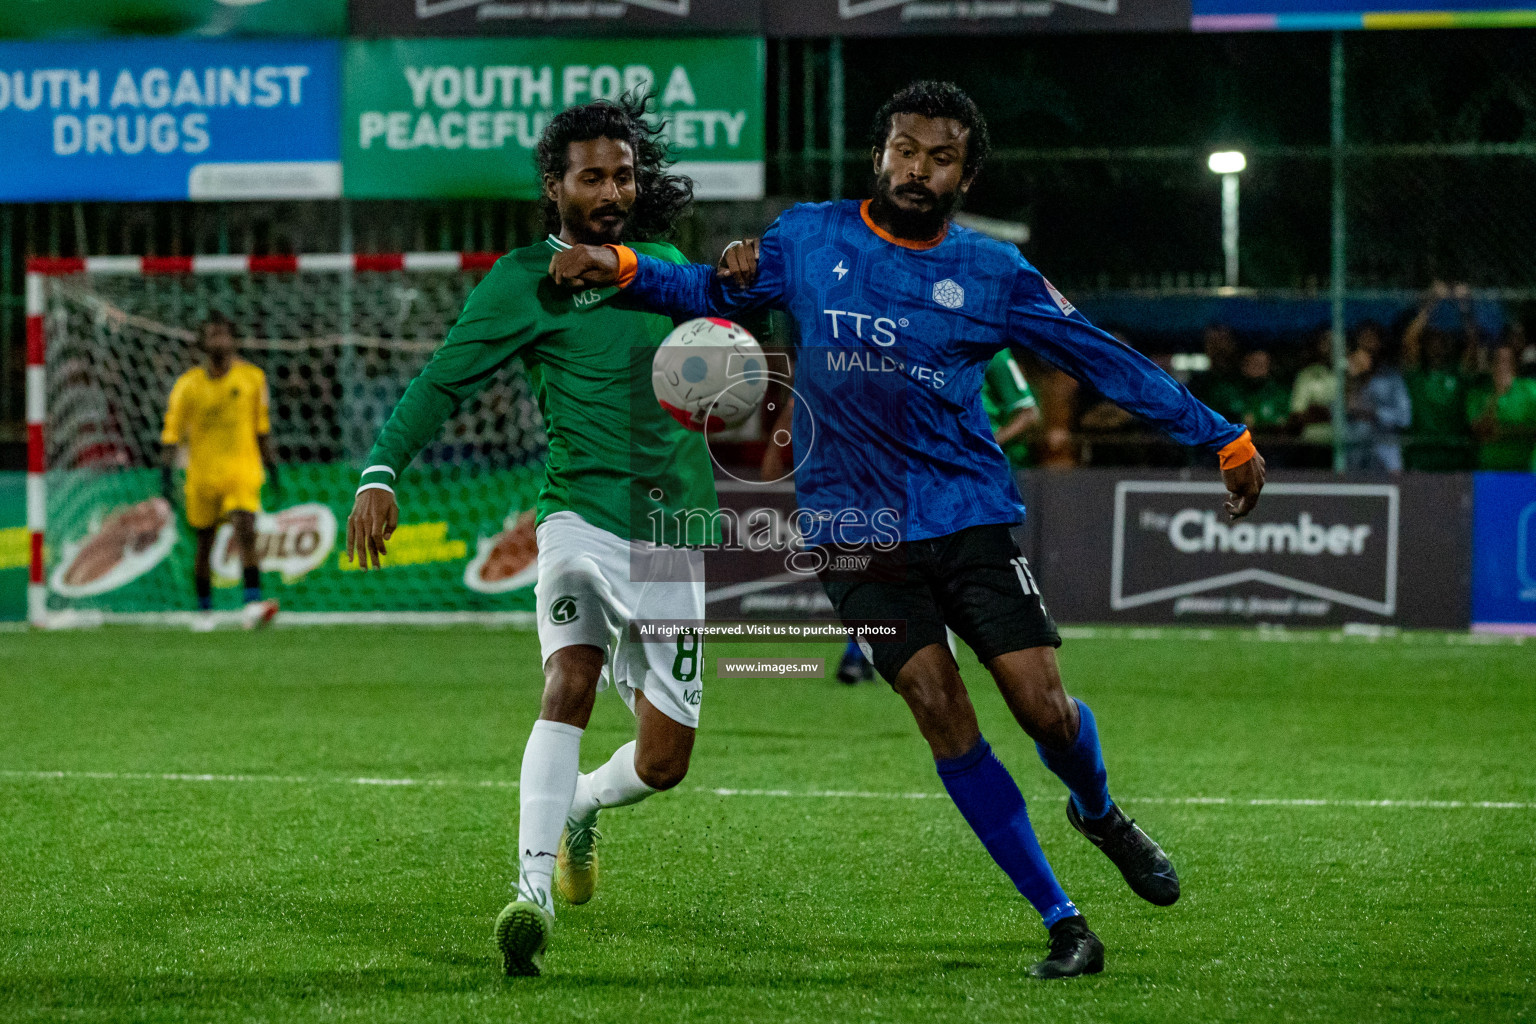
<point>614,784</point>
<point>551,762</point>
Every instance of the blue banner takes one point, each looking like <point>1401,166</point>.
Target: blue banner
<point>170,119</point>
<point>1504,552</point>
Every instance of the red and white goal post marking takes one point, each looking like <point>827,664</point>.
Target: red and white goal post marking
<point>41,268</point>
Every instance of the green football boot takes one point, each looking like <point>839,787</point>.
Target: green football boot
<point>576,863</point>
<point>522,932</point>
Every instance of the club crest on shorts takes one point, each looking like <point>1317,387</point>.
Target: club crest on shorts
<point>949,294</point>
<point>563,610</point>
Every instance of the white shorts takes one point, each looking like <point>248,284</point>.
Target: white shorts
<point>592,583</point>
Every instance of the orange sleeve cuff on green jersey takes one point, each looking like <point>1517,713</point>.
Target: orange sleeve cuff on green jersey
<point>628,263</point>
<point>1238,452</point>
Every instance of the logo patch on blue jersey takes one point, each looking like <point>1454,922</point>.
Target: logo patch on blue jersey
<point>948,294</point>
<point>1066,307</point>
<point>840,270</point>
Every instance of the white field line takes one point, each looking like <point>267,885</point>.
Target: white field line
<point>787,794</point>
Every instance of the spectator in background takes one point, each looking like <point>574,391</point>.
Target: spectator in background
<point>1502,410</point>
<point>1312,394</point>
<point>1437,387</point>
<point>1377,404</point>
<point>1254,397</point>
<point>1525,349</point>
<point>1221,351</point>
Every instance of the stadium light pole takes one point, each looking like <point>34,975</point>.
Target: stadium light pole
<point>1229,164</point>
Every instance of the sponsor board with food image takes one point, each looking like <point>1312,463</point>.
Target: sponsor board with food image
<point>465,543</point>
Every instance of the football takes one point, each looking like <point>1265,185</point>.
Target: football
<point>709,374</point>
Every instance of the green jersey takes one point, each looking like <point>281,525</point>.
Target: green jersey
<point>1514,413</point>
<point>616,458</point>
<point>1004,391</point>
<point>1258,403</point>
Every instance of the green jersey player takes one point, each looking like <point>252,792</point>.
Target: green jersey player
<point>1010,406</point>
<point>617,466</point>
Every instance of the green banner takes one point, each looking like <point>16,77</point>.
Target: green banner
<point>465,544</point>
<point>87,19</point>
<point>15,546</point>
<point>438,118</point>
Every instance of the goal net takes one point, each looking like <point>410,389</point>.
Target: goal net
<point>339,338</point>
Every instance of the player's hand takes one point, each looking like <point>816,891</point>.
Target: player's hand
<point>585,266</point>
<point>375,514</point>
<point>1244,482</point>
<point>738,263</point>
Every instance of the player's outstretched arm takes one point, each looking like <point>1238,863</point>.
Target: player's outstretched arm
<point>375,514</point>
<point>586,266</point>
<point>1244,481</point>
<point>1047,324</point>
<point>681,290</point>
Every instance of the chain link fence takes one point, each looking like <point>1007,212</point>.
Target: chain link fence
<point>1100,163</point>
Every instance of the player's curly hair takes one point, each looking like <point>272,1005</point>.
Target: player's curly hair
<point>938,99</point>
<point>660,199</point>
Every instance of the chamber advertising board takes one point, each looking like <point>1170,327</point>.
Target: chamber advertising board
<point>1318,551</point>
<point>461,118</point>
<point>153,119</point>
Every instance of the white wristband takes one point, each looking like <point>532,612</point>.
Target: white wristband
<point>375,487</point>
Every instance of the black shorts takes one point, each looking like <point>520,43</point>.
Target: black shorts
<point>976,582</point>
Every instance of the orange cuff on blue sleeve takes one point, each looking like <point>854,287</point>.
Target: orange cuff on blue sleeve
<point>628,263</point>
<point>1238,452</point>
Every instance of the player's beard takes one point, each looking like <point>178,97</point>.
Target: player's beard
<point>912,224</point>
<point>589,230</point>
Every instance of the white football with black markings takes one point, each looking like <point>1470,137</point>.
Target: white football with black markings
<point>710,374</point>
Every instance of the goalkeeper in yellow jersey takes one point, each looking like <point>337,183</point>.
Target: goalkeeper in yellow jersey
<point>219,411</point>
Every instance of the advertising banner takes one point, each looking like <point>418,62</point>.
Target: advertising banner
<point>754,572</point>
<point>15,546</point>
<point>554,17</point>
<point>1320,550</point>
<point>1504,552</point>
<point>122,548</point>
<point>169,119</point>
<point>44,19</point>
<point>1317,15</point>
<point>461,118</point>
<point>970,17</point>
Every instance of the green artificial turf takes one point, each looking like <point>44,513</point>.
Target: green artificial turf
<point>286,891</point>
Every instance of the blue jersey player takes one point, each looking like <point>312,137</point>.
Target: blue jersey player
<point>906,500</point>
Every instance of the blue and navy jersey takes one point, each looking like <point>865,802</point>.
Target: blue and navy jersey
<point>891,440</point>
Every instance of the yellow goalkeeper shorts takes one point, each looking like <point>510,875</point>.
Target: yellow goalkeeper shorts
<point>211,500</point>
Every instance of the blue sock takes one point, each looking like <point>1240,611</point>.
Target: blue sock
<point>853,650</point>
<point>252,576</point>
<point>205,602</point>
<point>994,808</point>
<point>1081,766</point>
